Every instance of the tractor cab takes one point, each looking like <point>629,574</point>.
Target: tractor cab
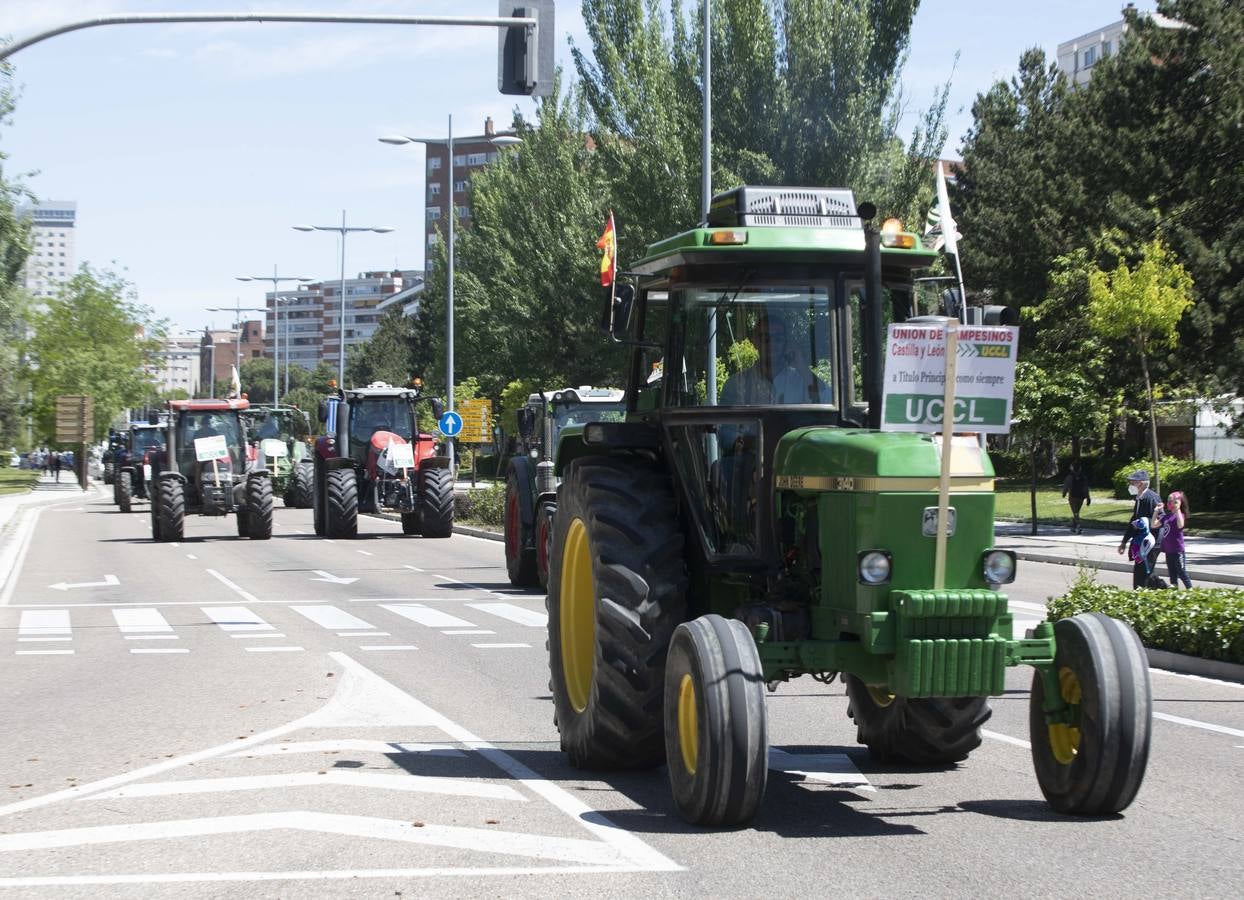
<point>277,439</point>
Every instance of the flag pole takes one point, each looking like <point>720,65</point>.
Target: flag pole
<point>943,481</point>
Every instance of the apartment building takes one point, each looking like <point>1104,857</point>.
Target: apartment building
<point>450,184</point>
<point>1078,56</point>
<point>219,348</point>
<point>51,262</point>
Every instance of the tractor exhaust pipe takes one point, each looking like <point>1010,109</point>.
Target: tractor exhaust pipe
<point>872,340</point>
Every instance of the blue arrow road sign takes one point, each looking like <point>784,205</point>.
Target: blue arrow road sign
<point>450,424</point>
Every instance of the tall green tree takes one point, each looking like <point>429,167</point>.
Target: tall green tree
<point>93,338</point>
<point>14,250</point>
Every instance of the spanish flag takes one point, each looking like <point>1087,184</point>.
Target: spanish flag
<point>609,260</point>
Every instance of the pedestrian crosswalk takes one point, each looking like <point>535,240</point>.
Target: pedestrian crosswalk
<point>51,632</point>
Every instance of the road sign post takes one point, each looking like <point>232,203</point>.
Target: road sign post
<point>75,425</point>
<point>476,426</point>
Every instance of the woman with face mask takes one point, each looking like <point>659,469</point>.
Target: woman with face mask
<point>1147,501</point>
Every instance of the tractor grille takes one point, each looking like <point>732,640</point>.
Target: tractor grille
<point>947,645</point>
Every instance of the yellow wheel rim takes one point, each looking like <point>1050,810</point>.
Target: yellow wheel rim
<point>1065,739</point>
<point>577,616</point>
<point>688,724</point>
<point>881,696</point>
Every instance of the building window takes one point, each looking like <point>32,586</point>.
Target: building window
<point>434,189</point>
<point>460,187</point>
<point>1105,49</point>
<point>477,159</point>
<point>464,211</point>
<point>431,240</point>
<point>434,162</point>
<point>1090,56</point>
<point>434,213</point>
<point>459,160</point>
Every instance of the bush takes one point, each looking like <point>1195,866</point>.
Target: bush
<point>1204,622</point>
<point>1209,486</point>
<point>483,506</point>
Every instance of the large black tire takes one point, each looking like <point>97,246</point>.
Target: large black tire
<point>341,511</point>
<point>302,492</point>
<point>319,500</point>
<point>124,490</point>
<point>410,523</point>
<point>259,507</point>
<point>520,551</point>
<point>545,514</point>
<point>172,512</point>
<point>1096,768</point>
<point>436,503</point>
<point>716,732</point>
<point>155,513</point>
<point>926,731</point>
<point>243,521</point>
<point>617,591</point>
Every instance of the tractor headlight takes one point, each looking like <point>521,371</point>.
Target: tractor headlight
<point>874,566</point>
<point>998,566</point>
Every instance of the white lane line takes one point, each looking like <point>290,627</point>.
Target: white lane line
<point>235,618</point>
<point>363,634</point>
<point>1006,739</point>
<point>499,646</point>
<point>1204,726</point>
<point>830,768</point>
<point>421,784</point>
<point>425,615</point>
<point>264,649</point>
<point>152,637</point>
<point>413,568</point>
<point>36,622</point>
<point>388,647</point>
<point>258,636</point>
<point>468,631</point>
<point>446,578</point>
<point>245,595</point>
<point>43,652</point>
<point>191,556</point>
<point>365,552</point>
<point>159,650</point>
<point>42,640</point>
<point>351,744</point>
<point>513,613</point>
<point>13,556</point>
<point>1021,604</point>
<point>141,621</point>
<point>331,617</point>
<point>174,545</point>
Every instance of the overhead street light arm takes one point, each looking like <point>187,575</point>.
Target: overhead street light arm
<point>178,18</point>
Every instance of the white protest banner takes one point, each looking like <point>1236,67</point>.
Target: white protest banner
<point>915,378</point>
<point>207,449</point>
<point>273,448</point>
<point>401,456</point>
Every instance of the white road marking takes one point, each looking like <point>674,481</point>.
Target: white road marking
<point>413,568</point>
<point>1214,681</point>
<point>235,618</point>
<point>42,640</point>
<point>420,784</point>
<point>425,615</point>
<point>388,647</point>
<point>363,634</point>
<point>44,622</point>
<point>365,552</point>
<point>191,556</point>
<point>174,545</point>
<point>1006,739</point>
<point>159,650</point>
<point>267,649</point>
<point>258,636</point>
<point>249,597</point>
<point>330,578</point>
<point>141,621</point>
<point>43,652</point>
<point>1035,607</point>
<point>109,581</point>
<point>830,768</point>
<point>152,637</point>
<point>330,617</point>
<point>499,646</point>
<point>468,631</point>
<point>513,613</point>
<point>1204,726</point>
<point>352,745</point>
<point>13,556</point>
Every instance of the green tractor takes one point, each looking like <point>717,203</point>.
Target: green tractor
<point>748,523</point>
<point>279,438</point>
<point>531,487</point>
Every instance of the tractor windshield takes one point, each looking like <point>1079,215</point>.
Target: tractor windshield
<point>371,414</point>
<point>146,438</point>
<point>193,426</point>
<point>582,413</point>
<point>756,345</point>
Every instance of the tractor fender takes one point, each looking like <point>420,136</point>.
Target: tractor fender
<point>520,468</point>
<point>337,462</point>
<point>433,462</point>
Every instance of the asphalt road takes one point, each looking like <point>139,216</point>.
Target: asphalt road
<point>303,717</point>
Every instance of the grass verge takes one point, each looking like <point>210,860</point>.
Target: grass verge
<point>1104,512</point>
<point>17,481</point>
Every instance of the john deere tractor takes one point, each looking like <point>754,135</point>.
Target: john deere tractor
<point>373,457</point>
<point>531,486</point>
<point>748,523</point>
<point>131,460</point>
<point>202,470</point>
<point>278,437</point>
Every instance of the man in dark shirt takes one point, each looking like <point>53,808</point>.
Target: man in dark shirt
<point>1146,502</point>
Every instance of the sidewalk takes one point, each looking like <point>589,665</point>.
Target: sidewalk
<point>45,490</point>
<point>1214,561</point>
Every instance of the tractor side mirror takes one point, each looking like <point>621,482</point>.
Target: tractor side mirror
<point>323,411</point>
<point>623,301</point>
<point>438,408</point>
<point>526,422</point>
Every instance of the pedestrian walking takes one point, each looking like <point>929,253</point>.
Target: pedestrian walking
<point>1171,522</point>
<point>1147,503</point>
<point>1076,490</point>
<point>55,463</point>
<point>47,461</point>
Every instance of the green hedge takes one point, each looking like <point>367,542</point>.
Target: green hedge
<point>1204,622</point>
<point>1208,486</point>
<point>483,506</point>
<point>1017,465</point>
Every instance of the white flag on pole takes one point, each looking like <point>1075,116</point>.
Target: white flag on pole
<point>949,230</point>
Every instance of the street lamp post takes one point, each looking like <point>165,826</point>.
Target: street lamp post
<point>343,230</point>
<point>237,309</point>
<point>276,327</point>
<point>500,141</point>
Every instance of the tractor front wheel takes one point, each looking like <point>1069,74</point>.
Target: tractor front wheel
<point>617,591</point>
<point>1093,764</point>
<point>125,492</point>
<point>436,503</point>
<point>341,513</point>
<point>544,542</point>
<point>172,510</point>
<point>259,507</point>
<point>716,733</point>
<point>520,559</point>
<point>925,731</point>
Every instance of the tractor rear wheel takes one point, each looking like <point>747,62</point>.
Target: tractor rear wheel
<point>520,556</point>
<point>303,479</point>
<point>243,520</point>
<point>125,492</point>
<point>155,513</point>
<point>172,510</point>
<point>1094,765</point>
<point>716,733</point>
<point>617,591</point>
<point>436,503</point>
<point>544,541</point>
<point>341,510</point>
<point>259,507</point>
<point>319,500</point>
<point>925,731</point>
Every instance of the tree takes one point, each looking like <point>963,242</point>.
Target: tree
<point>1142,306</point>
<point>14,250</point>
<point>92,338</point>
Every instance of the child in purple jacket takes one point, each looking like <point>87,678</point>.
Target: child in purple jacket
<point>1173,520</point>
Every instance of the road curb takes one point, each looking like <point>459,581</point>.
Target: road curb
<point>1194,665</point>
<point>1111,565</point>
<point>468,530</point>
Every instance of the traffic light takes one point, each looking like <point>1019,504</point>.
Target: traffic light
<point>1001,315</point>
<point>525,55</point>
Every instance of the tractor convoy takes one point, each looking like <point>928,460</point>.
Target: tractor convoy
<point>277,436</point>
<point>131,451</point>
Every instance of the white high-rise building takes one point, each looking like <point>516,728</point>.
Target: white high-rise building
<point>1078,56</point>
<point>179,362</point>
<point>51,262</point>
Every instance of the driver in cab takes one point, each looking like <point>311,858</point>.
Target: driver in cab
<point>778,376</point>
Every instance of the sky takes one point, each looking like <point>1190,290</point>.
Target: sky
<point>191,150</point>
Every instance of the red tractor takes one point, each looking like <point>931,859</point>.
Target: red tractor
<point>373,457</point>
